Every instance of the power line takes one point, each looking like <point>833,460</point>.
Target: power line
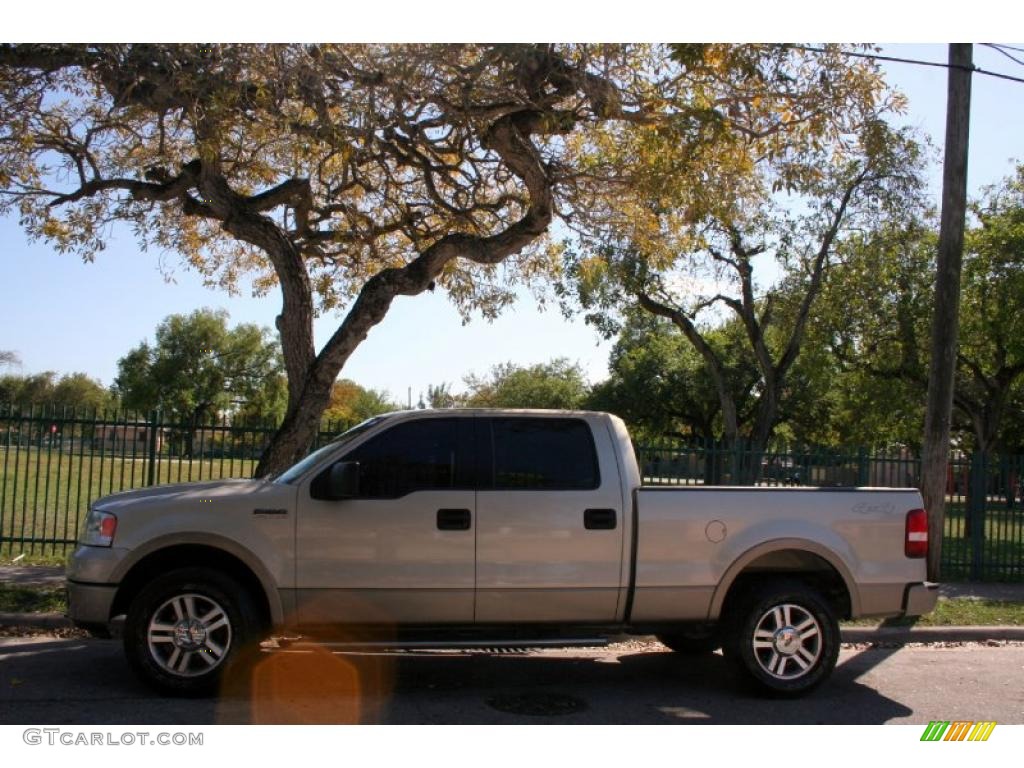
<point>1007,47</point>
<point>1000,48</point>
<point>879,57</point>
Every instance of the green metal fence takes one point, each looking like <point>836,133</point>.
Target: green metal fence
<point>54,462</point>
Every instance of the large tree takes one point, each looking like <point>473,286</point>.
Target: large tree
<point>885,290</point>
<point>555,384</point>
<point>348,175</point>
<point>660,385</point>
<point>352,403</point>
<point>696,261</point>
<point>198,369</point>
<point>72,390</point>
<point>990,355</point>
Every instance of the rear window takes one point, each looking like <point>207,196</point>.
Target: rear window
<point>543,454</point>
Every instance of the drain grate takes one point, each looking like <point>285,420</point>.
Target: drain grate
<point>537,704</point>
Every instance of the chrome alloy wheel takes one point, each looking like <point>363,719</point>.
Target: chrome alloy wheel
<point>189,635</point>
<point>787,641</point>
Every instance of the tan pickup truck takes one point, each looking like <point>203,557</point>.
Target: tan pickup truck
<point>480,527</point>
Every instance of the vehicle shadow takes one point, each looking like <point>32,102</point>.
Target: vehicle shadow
<point>88,682</point>
<point>634,687</point>
<point>647,687</point>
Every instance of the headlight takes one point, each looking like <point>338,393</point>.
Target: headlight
<point>99,529</point>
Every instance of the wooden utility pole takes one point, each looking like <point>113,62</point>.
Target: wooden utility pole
<point>935,454</point>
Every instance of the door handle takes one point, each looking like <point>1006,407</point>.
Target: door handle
<point>599,519</point>
<point>453,519</point>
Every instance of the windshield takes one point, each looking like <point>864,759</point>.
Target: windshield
<point>296,471</point>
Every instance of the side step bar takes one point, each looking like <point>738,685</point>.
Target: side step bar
<point>441,645</point>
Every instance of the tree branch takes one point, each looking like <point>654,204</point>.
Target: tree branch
<point>714,363</point>
<point>817,273</point>
<point>46,58</point>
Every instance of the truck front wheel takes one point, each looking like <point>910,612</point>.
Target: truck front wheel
<point>186,627</point>
<point>783,638</point>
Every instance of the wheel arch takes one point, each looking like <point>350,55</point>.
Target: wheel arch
<point>790,557</point>
<point>178,551</point>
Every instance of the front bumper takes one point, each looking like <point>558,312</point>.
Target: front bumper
<point>95,565</point>
<point>920,599</point>
<point>91,585</point>
<point>89,604</point>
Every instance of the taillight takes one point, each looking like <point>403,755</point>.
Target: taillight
<point>916,544</point>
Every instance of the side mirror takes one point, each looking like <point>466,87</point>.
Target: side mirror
<point>343,481</point>
<point>340,481</point>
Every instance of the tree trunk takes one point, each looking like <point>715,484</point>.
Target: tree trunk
<point>764,425</point>
<point>935,454</point>
<point>292,439</point>
<point>715,455</point>
<point>310,377</point>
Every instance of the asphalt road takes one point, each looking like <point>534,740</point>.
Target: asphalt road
<point>45,680</point>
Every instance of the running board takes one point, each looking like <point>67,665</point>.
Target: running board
<point>441,645</point>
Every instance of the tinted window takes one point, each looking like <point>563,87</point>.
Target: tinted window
<point>544,454</point>
<point>414,456</point>
<point>293,474</point>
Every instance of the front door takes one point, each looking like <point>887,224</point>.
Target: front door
<point>403,551</point>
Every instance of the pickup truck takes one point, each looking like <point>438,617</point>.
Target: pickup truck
<point>459,528</point>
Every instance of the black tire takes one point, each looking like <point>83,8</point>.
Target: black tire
<point>170,646</point>
<point>797,635</point>
<point>696,643</point>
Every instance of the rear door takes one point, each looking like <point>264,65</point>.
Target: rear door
<point>549,521</point>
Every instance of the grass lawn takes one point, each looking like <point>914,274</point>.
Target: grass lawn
<point>44,494</point>
<point>1002,552</point>
<point>14,599</point>
<point>960,612</point>
<point>56,556</point>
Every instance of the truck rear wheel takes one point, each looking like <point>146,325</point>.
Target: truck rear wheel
<point>783,638</point>
<point>186,627</point>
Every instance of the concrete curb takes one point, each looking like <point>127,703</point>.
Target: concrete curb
<point>35,620</point>
<point>930,634</point>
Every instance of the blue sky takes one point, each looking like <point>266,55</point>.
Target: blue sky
<point>60,314</point>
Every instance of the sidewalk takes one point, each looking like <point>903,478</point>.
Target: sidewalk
<point>52,577</point>
<point>1010,593</point>
<point>40,576</point>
